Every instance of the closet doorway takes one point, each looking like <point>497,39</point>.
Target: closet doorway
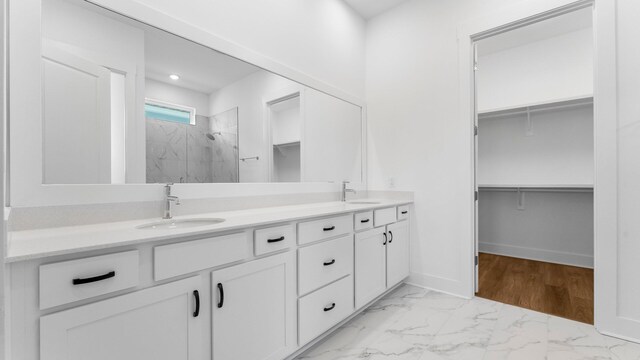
<point>534,166</point>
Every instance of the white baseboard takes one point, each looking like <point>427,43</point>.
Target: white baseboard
<point>556,257</point>
<point>444,285</point>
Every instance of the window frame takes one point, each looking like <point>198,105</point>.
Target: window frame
<point>173,106</point>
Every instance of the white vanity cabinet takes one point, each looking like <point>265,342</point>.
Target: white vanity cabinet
<point>261,292</point>
<point>254,309</point>
<point>323,263</point>
<point>397,252</point>
<point>370,265</point>
<point>381,256</point>
<point>324,308</point>
<point>160,323</point>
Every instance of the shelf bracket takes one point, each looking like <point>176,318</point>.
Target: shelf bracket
<point>520,200</point>
<point>529,129</point>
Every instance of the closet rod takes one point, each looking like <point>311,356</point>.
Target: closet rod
<point>537,189</point>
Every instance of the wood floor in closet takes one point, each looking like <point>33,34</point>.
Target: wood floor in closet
<point>561,290</point>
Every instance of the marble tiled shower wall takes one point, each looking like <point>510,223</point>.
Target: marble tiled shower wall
<point>183,153</point>
<point>225,147</point>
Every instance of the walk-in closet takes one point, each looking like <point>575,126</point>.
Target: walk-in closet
<point>534,166</point>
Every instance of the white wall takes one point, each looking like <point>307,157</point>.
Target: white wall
<point>4,274</point>
<point>177,95</point>
<point>331,139</point>
<point>322,38</point>
<point>553,227</point>
<point>628,160</point>
<point>556,150</point>
<point>286,163</point>
<point>548,70</point>
<point>416,138</point>
<point>286,123</point>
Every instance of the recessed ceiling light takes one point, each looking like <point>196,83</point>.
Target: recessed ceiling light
<point>174,77</point>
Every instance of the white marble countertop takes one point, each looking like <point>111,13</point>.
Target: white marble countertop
<point>40,243</point>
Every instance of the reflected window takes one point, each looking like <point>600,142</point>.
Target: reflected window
<point>160,110</point>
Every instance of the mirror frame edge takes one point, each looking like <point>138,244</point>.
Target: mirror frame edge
<point>25,188</point>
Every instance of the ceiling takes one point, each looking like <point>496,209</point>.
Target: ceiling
<point>370,8</point>
<point>200,68</point>
<point>563,24</point>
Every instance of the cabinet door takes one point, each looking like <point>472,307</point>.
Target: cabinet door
<point>370,268</point>
<point>397,252</point>
<point>158,323</point>
<point>254,309</point>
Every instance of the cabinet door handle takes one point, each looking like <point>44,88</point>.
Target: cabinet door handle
<point>221,291</point>
<point>329,228</point>
<point>80,281</point>
<point>391,236</point>
<point>385,239</point>
<point>196,295</point>
<point>329,308</point>
<point>327,263</point>
<point>404,212</point>
<point>276,239</point>
<point>364,221</point>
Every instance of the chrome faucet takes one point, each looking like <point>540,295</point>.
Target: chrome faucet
<point>168,199</point>
<point>345,190</point>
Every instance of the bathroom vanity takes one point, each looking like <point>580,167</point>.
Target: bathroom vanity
<point>111,101</point>
<point>258,284</point>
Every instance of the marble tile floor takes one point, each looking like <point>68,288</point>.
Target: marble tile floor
<point>418,324</point>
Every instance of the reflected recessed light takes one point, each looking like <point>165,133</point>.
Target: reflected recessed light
<point>174,77</point>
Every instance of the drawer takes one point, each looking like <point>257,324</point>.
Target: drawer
<point>382,217</point>
<point>363,221</point>
<point>323,263</point>
<point>191,256</point>
<point>311,231</point>
<point>321,310</point>
<point>273,239</point>
<point>69,281</point>
<point>403,212</point>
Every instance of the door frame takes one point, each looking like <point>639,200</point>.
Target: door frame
<point>606,315</point>
<point>275,97</point>
<point>102,76</point>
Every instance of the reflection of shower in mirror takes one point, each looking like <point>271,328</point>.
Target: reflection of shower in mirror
<point>212,135</point>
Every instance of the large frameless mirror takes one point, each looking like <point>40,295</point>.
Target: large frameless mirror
<point>124,102</point>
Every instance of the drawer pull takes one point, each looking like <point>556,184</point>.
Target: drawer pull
<point>329,308</point>
<point>329,228</point>
<point>391,236</point>
<point>80,281</point>
<point>364,221</point>
<point>327,263</point>
<point>385,239</point>
<point>404,212</point>
<point>275,240</point>
<point>196,295</point>
<point>221,291</point>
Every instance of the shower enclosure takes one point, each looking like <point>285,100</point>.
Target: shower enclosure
<point>204,152</point>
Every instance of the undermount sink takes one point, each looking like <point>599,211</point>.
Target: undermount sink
<point>179,223</point>
<point>364,202</point>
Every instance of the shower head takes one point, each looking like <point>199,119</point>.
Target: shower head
<point>212,135</point>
